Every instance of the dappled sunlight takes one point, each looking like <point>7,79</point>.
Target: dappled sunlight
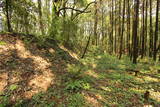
<point>94,66</point>
<point>25,68</point>
<point>3,81</point>
<point>106,88</point>
<point>92,100</point>
<point>74,55</point>
<point>148,106</point>
<point>21,50</point>
<point>52,51</point>
<point>155,95</point>
<point>150,79</point>
<point>137,90</point>
<point>92,74</point>
<point>140,79</point>
<point>39,82</point>
<point>42,74</point>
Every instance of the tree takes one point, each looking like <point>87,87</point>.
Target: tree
<point>121,39</point>
<point>128,28</point>
<point>135,30</point>
<point>143,30</point>
<point>96,22</point>
<point>40,16</point>
<point>151,32</point>
<point>156,32</point>
<point>8,15</point>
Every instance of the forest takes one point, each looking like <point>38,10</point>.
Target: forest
<point>79,53</point>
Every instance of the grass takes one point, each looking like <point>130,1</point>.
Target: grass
<point>98,80</point>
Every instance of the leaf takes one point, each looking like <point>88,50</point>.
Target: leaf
<point>13,87</point>
<point>2,43</point>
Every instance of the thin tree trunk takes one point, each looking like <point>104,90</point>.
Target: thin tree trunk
<point>85,50</point>
<point>96,22</point>
<point>146,29</point>
<point>135,31</point>
<point>143,35</point>
<point>121,40</point>
<point>156,32</point>
<point>112,25</point>
<point>8,16</point>
<point>40,16</point>
<point>102,20</point>
<point>151,32</point>
<point>119,20</point>
<point>128,29</point>
<point>115,42</point>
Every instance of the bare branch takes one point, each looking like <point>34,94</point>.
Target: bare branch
<point>78,10</point>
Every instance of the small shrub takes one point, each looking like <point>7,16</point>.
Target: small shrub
<point>76,100</point>
<point>4,101</point>
<point>74,86</point>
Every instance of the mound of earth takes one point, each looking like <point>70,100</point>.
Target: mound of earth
<point>26,69</point>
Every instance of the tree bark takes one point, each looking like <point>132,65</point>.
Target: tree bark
<point>40,16</point>
<point>143,30</point>
<point>121,39</point>
<point>115,22</point>
<point>85,50</point>
<point>96,22</point>
<point>8,15</point>
<point>128,29</point>
<point>151,32</point>
<point>156,32</point>
<point>135,31</point>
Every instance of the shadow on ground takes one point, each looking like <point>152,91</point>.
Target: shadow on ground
<point>33,74</point>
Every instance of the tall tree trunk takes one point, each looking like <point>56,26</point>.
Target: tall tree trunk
<point>151,32</point>
<point>112,26</point>
<point>119,22</point>
<point>102,20</point>
<point>85,50</point>
<point>156,32</point>
<point>7,6</point>
<point>146,29</point>
<point>143,30</point>
<point>96,22</point>
<point>40,16</point>
<point>128,29</point>
<point>115,38</point>
<point>121,39</point>
<point>135,30</point>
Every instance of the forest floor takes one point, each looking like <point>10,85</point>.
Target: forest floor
<point>52,76</point>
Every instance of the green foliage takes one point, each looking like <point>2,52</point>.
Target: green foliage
<point>4,101</point>
<point>74,86</point>
<point>23,13</point>
<point>40,100</point>
<point>76,79</point>
<point>76,100</point>
<point>55,28</point>
<point>74,72</point>
<point>2,43</point>
<point>13,87</point>
<point>77,85</point>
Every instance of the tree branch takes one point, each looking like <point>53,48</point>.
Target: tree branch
<point>78,10</point>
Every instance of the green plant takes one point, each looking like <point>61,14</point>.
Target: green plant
<point>41,100</point>
<point>2,43</point>
<point>4,101</point>
<point>74,86</point>
<point>74,71</point>
<point>76,100</point>
<point>13,87</point>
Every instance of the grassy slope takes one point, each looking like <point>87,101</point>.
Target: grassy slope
<point>33,74</point>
